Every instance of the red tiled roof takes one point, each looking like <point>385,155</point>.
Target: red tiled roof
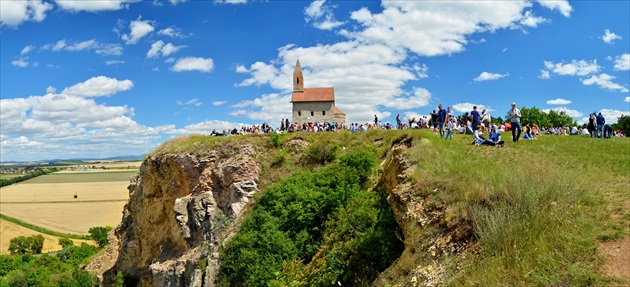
<point>314,95</point>
<point>337,111</point>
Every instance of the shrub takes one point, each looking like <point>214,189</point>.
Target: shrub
<point>321,153</point>
<point>99,234</point>
<point>23,244</point>
<point>65,242</point>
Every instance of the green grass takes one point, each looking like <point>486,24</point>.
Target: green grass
<point>539,208</point>
<point>8,176</point>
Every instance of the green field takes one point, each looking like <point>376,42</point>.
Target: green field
<point>8,176</point>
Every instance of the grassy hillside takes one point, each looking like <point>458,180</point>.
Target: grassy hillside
<point>539,208</point>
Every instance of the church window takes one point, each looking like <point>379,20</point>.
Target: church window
<point>312,114</point>
<point>297,80</point>
<point>323,113</point>
<point>299,113</point>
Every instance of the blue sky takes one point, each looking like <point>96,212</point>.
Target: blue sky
<point>107,78</point>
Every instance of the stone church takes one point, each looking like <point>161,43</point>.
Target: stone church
<point>313,104</point>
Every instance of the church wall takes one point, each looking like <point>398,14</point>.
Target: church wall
<point>302,112</point>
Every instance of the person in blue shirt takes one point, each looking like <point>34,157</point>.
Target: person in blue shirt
<point>495,136</point>
<point>600,125</point>
<point>475,118</point>
<point>441,119</point>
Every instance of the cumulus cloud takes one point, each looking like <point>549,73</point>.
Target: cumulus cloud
<point>558,101</point>
<point>610,37</point>
<point>575,68</point>
<point>139,28</point>
<point>605,81</point>
<point>193,64</point>
<point>321,15</point>
<point>544,74</point>
<point>569,112</point>
<point>14,13</point>
<point>94,6</point>
<point>627,99</point>
<point>485,76</point>
<point>98,86</point>
<point>468,107</point>
<point>51,90</point>
<point>562,6</point>
<point>21,62</point>
<point>529,20</point>
<point>158,48</point>
<point>622,62</point>
<point>270,108</point>
<point>612,116</point>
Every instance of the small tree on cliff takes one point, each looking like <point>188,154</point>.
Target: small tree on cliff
<point>99,234</point>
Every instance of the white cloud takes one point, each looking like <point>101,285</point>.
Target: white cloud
<point>321,15</point>
<point>98,86</point>
<point>139,28</point>
<point>575,68</point>
<point>27,49</point>
<point>193,64</point>
<point>51,90</point>
<point>21,62</point>
<point>206,127</point>
<point>270,108</point>
<point>627,99</point>
<point>192,102</point>
<point>569,112</point>
<point>532,21</point>
<point>219,103</point>
<point>420,97</point>
<point>94,6</point>
<point>544,74</point>
<point>468,107</point>
<point>561,5</point>
<point>230,1</point>
<point>485,76</point>
<point>114,62</point>
<point>88,45</point>
<point>14,13</point>
<point>610,37</point>
<point>622,62</point>
<point>558,101</point>
<point>172,31</point>
<point>612,116</point>
<point>605,82</point>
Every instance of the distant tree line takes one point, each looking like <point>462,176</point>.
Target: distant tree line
<point>533,115</point>
<point>32,174</point>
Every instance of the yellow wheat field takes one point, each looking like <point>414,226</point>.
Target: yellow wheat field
<point>48,201</point>
<point>10,230</point>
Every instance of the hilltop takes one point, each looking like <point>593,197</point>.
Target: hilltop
<point>375,208</point>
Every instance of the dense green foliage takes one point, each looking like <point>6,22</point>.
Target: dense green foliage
<point>26,244</point>
<point>623,124</point>
<point>533,115</point>
<point>47,270</point>
<point>32,174</point>
<point>99,234</point>
<point>315,229</point>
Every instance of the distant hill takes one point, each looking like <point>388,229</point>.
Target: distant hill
<point>45,161</point>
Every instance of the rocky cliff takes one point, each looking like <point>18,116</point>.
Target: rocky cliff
<point>179,205</point>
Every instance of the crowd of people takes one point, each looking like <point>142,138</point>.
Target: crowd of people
<point>444,122</point>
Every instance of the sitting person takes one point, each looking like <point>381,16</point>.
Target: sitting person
<point>527,133</point>
<point>495,136</point>
<point>479,139</point>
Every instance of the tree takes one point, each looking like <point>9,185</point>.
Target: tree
<point>99,234</point>
<point>23,244</point>
<point>65,242</point>
<point>623,124</point>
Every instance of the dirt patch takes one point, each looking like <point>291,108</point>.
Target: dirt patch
<point>617,253</point>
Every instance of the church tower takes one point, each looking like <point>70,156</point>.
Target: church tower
<point>298,78</point>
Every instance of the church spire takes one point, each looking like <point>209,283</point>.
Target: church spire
<point>298,78</point>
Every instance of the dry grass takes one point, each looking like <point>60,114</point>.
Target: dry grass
<point>48,201</point>
<point>9,230</point>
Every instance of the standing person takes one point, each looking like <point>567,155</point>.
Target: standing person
<point>600,125</point>
<point>450,116</point>
<point>475,118</point>
<point>441,118</point>
<point>591,125</point>
<point>399,121</point>
<point>486,119</point>
<point>375,121</point>
<point>449,129</point>
<point>514,114</point>
<point>434,121</point>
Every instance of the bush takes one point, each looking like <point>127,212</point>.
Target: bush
<point>65,242</point>
<point>23,244</point>
<point>321,153</point>
<point>99,234</point>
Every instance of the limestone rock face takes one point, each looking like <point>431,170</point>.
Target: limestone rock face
<point>178,205</point>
